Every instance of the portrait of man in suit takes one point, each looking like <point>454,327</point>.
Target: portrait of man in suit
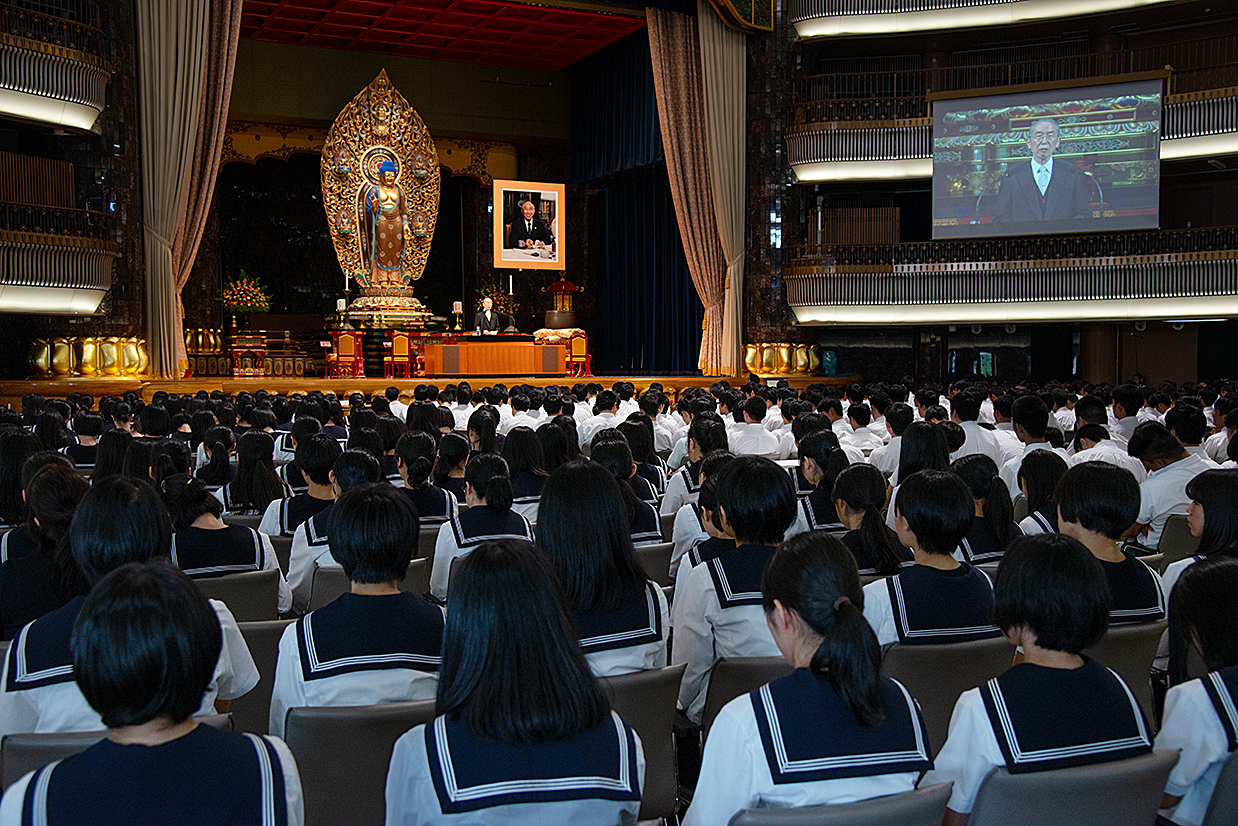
<point>1046,188</point>
<point>529,231</point>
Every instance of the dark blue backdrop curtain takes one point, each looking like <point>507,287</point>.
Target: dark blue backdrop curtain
<point>648,312</point>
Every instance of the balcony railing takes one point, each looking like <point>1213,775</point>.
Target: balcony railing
<point>53,69</point>
<point>56,260</point>
<point>806,9</point>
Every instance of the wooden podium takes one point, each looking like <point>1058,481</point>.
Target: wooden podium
<point>494,356</point>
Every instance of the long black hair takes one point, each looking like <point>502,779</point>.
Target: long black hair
<point>923,448</point>
<point>452,450</point>
<point>415,450</point>
<point>554,438</point>
<point>167,457</point>
<point>1040,472</point>
<point>613,454</point>
<point>484,423</point>
<point>219,441</point>
<point>16,446</point>
<point>110,455</point>
<point>1216,491</point>
<point>487,474</point>
<point>256,484</point>
<point>187,498</point>
<point>979,473</point>
<point>823,448</point>
<point>862,489</point>
<point>1201,610</point>
<point>815,575</point>
<point>512,664</point>
<point>52,495</point>
<point>523,452</point>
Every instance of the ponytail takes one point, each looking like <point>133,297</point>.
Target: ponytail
<point>851,658</point>
<point>452,450</point>
<point>187,498</point>
<point>218,440</point>
<point>484,422</point>
<point>487,474</point>
<point>823,448</point>
<point>863,488</point>
<point>416,450</point>
<point>979,473</point>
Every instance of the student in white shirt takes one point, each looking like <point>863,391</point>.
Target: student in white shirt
<point>965,411</point>
<point>1127,399</point>
<point>885,458</point>
<point>1096,446</point>
<point>1187,422</point>
<point>1031,418</point>
<point>751,438</point>
<point>1163,493</point>
<point>859,417</point>
<point>607,404</point>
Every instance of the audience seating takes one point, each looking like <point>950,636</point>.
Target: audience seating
<point>22,753</point>
<point>922,807</point>
<point>342,755</point>
<point>1153,561</point>
<point>646,700</point>
<point>252,596</point>
<point>1129,651</point>
<point>866,579</point>
<point>656,560</point>
<point>1223,808</point>
<point>283,551</point>
<point>425,541</point>
<point>668,525</point>
<point>417,581</point>
<point>1176,541</point>
<point>328,585</point>
<point>732,677</point>
<point>1121,793</point>
<point>936,675</point>
<point>1020,508</point>
<point>251,712</point>
<point>249,520</point>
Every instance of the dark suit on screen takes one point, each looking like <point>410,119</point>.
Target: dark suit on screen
<point>488,325</point>
<point>521,232</point>
<point>1068,196</point>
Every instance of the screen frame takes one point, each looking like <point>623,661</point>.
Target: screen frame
<point>554,193</point>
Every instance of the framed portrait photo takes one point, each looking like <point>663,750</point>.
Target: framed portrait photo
<point>528,229</point>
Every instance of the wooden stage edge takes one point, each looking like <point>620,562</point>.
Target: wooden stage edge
<point>12,391</point>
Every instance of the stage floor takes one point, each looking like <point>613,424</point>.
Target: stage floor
<point>12,391</point>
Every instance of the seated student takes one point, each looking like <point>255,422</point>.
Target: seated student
<point>610,450</point>
<point>523,453</point>
<point>489,516</point>
<point>218,471</point>
<point>834,731</point>
<point>524,734</point>
<point>859,494</point>
<point>389,430</point>
<point>993,526</point>
<point>923,448</point>
<point>1038,478</point>
<point>310,546</point>
<point>1097,502</point>
<point>374,644</point>
<point>415,455</point>
<point>119,520</point>
<point>20,541</point>
<point>290,472</point>
<point>706,434</point>
<point>1213,519</point>
<point>859,416</point>
<point>821,460</point>
<point>696,527</point>
<point>316,456</point>
<point>938,599</point>
<point>639,430</point>
<point>1056,709</point>
<point>621,617</point>
<point>256,484</point>
<point>16,446</point>
<point>448,474</point>
<point>1096,446</point>
<point>88,426</point>
<point>1163,493</point>
<point>717,606</point>
<point>143,651</point>
<point>36,583</point>
<point>1199,719</point>
<point>204,546</point>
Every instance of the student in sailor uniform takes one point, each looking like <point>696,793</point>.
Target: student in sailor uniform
<point>16,446</point>
<point>310,548</point>
<point>1051,600</point>
<point>316,456</point>
<point>1038,478</point>
<point>993,526</point>
<point>923,447</point>
<point>203,546</point>
<point>859,494</point>
<point>523,453</point>
<point>1200,718</point>
<point>143,652</point>
<point>489,517</point>
<point>1213,517</point>
<point>119,520</point>
<point>218,471</point>
<point>524,734</point>
<point>705,435</point>
<point>20,541</point>
<point>374,644</point>
<point>286,443</point>
<point>836,730</point>
<point>938,599</point>
<point>1097,502</point>
<point>448,474</point>
<point>415,453</point>
<point>718,604</point>
<point>621,616</point>
<point>821,460</point>
<point>612,453</point>
<point>389,430</point>
<point>695,523</point>
<point>638,431</point>
<point>256,484</point>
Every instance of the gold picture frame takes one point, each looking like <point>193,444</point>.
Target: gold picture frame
<point>523,241</point>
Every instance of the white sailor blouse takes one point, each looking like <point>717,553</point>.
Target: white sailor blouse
<point>630,638</point>
<point>465,531</point>
<point>1201,720</point>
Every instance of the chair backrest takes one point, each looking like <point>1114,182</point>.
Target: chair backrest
<point>646,700</point>
<point>1020,508</point>
<point>22,753</point>
<point>282,545</point>
<point>1153,561</point>
<point>249,520</point>
<point>1119,793</point>
<point>922,807</point>
<point>668,525</point>
<point>426,540</point>
<point>732,677</point>
<point>1176,541</point>
<point>1223,808</point>
<point>656,560</point>
<point>342,755</point>
<point>1129,650</point>
<point>329,585</point>
<point>399,345</point>
<point>867,579</point>
<point>251,597</point>
<point>251,711</point>
<point>580,346</point>
<point>937,674</point>
<point>345,345</point>
<point>417,581</point>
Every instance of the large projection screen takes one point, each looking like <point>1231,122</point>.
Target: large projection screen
<point>1085,159</point>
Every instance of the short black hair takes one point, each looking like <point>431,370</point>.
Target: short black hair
<point>1053,586</point>
<point>119,520</point>
<point>1100,497</point>
<point>966,405</point>
<point>758,499</point>
<point>145,645</point>
<point>1032,414</point>
<point>316,455</point>
<point>1152,441</point>
<point>1092,410</point>
<point>154,421</point>
<point>860,413</point>
<point>373,535</point>
<point>1187,422</point>
<point>938,507</point>
<point>898,416</point>
<point>355,467</point>
<point>606,400</point>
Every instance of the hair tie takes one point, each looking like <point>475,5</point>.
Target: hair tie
<point>838,603</point>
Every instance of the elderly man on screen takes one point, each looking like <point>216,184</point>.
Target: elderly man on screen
<point>1047,188</point>
<point>529,231</point>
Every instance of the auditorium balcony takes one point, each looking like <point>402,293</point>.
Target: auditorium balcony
<point>54,259</point>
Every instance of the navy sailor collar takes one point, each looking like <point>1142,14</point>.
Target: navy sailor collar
<point>637,621</point>
<point>691,474</point>
<point>932,606</point>
<point>647,527</point>
<point>1222,689</point>
<point>481,524</point>
<point>820,512</point>
<point>708,549</point>
<point>370,633</point>
<point>737,574</point>
<point>231,554</point>
<point>40,655</point>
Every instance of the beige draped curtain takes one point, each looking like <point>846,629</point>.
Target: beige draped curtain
<point>674,48</point>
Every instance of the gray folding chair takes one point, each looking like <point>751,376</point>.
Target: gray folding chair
<point>1120,793</point>
<point>1129,650</point>
<point>329,585</point>
<point>1020,508</point>
<point>668,525</point>
<point>251,711</point>
<point>936,675</point>
<point>249,520</point>
<point>1223,808</point>
<point>732,677</point>
<point>656,560</point>
<point>646,700</point>
<point>922,807</point>
<point>252,596</point>
<point>1176,541</point>
<point>417,580</point>
<point>866,579</point>
<point>425,541</point>
<point>342,755</point>
<point>283,551</point>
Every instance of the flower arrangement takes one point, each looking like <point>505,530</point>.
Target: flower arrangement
<point>245,295</point>
<point>502,301</point>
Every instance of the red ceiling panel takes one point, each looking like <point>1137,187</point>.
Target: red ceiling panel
<point>471,31</point>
